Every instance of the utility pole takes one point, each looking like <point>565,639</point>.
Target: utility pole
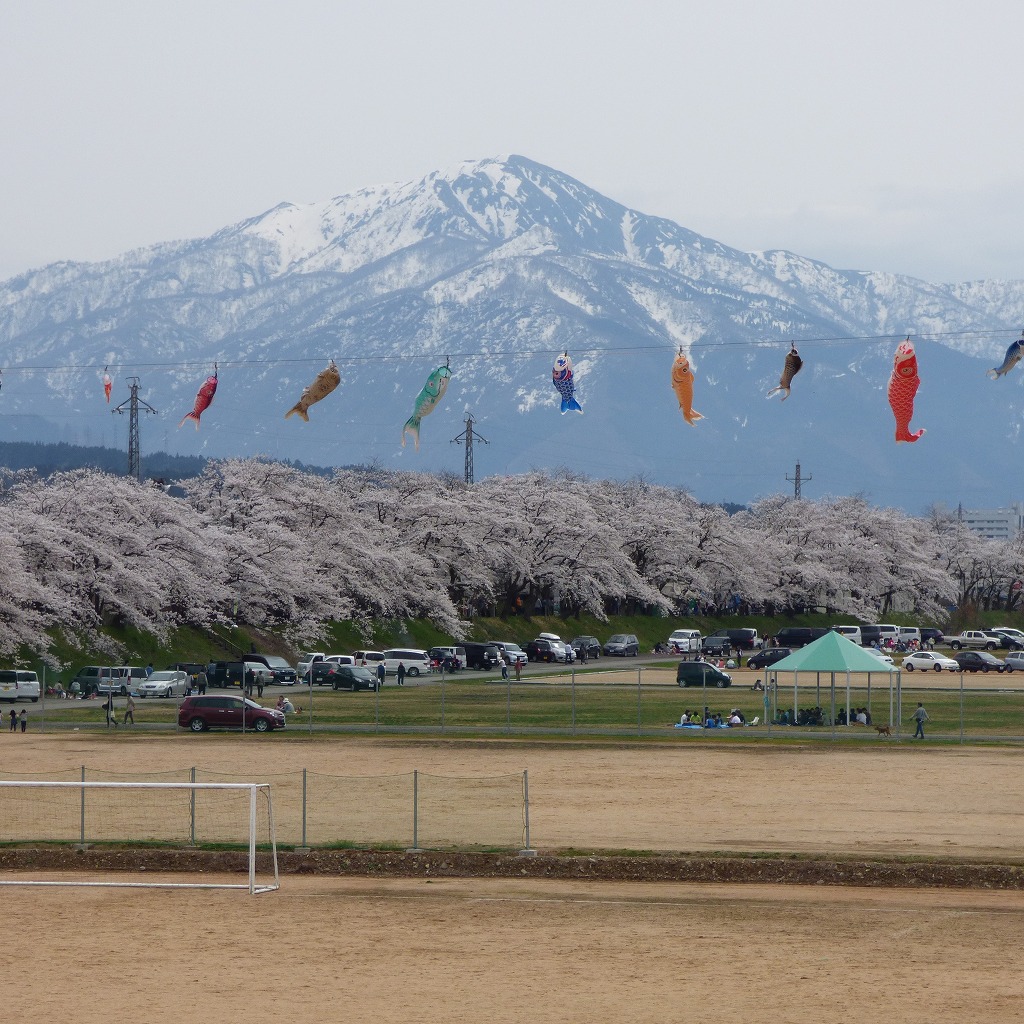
<point>469,436</point>
<point>797,481</point>
<point>133,403</point>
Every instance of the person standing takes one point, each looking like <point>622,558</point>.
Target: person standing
<point>201,681</point>
<point>149,670</point>
<point>381,674</point>
<point>401,673</point>
<point>504,669</point>
<point>250,678</point>
<point>129,711</point>
<point>14,720</point>
<point>519,670</point>
<point>24,720</point>
<point>109,708</point>
<point>920,716</point>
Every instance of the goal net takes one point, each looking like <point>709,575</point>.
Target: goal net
<point>152,815</point>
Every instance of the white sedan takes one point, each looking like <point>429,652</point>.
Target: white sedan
<point>929,661</point>
<point>880,655</point>
<point>165,684</point>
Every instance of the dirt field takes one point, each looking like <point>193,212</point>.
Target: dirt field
<point>500,950</point>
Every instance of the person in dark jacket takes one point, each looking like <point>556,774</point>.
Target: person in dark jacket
<point>401,673</point>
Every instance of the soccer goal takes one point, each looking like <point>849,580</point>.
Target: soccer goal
<point>145,815</point>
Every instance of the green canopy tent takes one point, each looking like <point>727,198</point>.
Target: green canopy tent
<point>835,655</point>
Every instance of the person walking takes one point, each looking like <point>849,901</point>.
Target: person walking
<point>920,716</point>
<point>129,711</point>
<point>249,678</point>
<point>381,674</point>
<point>504,669</point>
<point>24,720</point>
<point>401,673</point>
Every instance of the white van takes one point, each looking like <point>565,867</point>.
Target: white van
<point>416,662</point>
<point>910,634</point>
<point>18,684</point>
<point>850,632</point>
<point>683,641</point>
<point>887,631</point>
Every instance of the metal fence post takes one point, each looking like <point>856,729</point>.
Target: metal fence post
<point>304,808</point>
<point>82,837</point>
<point>528,850</point>
<point>416,808</point>
<point>639,719</point>
<point>572,704</point>
<point>192,807</point>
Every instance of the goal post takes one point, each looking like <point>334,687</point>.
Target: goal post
<point>153,815</point>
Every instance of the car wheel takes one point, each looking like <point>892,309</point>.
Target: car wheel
<point>956,645</point>
<point>720,683</point>
<point>910,668</point>
<point>937,667</point>
<point>984,668</point>
<point>414,671</point>
<point>124,691</point>
<point>990,647</point>
<point>261,725</point>
<point>197,725</point>
<point>336,687</point>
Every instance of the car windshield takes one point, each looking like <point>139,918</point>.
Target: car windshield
<point>362,673</point>
<point>275,662</point>
<point>619,638</point>
<point>512,647</point>
<point>253,704</point>
<point>162,677</point>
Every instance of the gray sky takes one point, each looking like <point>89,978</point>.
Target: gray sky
<point>871,135</point>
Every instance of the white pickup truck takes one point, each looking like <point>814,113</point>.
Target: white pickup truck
<point>972,638</point>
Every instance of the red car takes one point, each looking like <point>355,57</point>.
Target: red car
<point>200,713</point>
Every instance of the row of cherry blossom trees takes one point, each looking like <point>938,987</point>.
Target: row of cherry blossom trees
<point>262,544</point>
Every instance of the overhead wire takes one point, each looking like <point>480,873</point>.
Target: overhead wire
<point>184,364</point>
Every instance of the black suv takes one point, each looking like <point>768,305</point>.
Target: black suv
<point>700,673</point>
<point>718,644</point>
<point>540,650</point>
<point>482,656</point>
<point>767,657</point>
<point>588,643</point>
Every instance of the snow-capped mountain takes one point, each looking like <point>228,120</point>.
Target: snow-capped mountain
<point>497,267</point>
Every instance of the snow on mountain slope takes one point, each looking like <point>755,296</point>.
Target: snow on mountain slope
<point>500,264</point>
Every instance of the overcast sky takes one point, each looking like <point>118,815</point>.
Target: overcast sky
<point>870,135</point>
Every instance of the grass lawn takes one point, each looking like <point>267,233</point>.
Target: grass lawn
<point>600,701</point>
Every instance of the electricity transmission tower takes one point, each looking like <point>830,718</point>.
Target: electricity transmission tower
<point>797,480</point>
<point>469,436</point>
<point>133,403</point>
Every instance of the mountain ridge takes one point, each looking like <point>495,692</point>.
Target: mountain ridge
<point>505,262</point>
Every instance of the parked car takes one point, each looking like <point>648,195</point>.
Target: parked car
<point>19,684</point>
<point>368,659</point>
<point>414,660</point>
<point>222,711</point>
<point>341,659</point>
<point>563,651</point>
<point>165,683</point>
<point>511,652</point>
<point>306,660</point>
<point>684,641</point>
<point>851,633</point>
<point>482,656</point>
<point>1006,639</point>
<point>351,677</point>
<point>769,656</point>
<point>589,643</point>
<point>718,645</point>
<point>1014,661</point>
<point>281,672</point>
<point>623,645</point>
<point>89,678</point>
<point>321,671</point>
<point>884,658</point>
<point>544,650</point>
<point>222,674</point>
<point>978,661</point>
<point>451,658</point>
<point>929,661</point>
<point>701,673</point>
<point>743,638</point>
<point>930,636</point>
<point>801,636</point>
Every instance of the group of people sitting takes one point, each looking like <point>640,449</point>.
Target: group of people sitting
<point>712,721</point>
<point>285,706</point>
<point>817,716</point>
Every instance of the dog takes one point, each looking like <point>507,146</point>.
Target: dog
<point>883,730</point>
